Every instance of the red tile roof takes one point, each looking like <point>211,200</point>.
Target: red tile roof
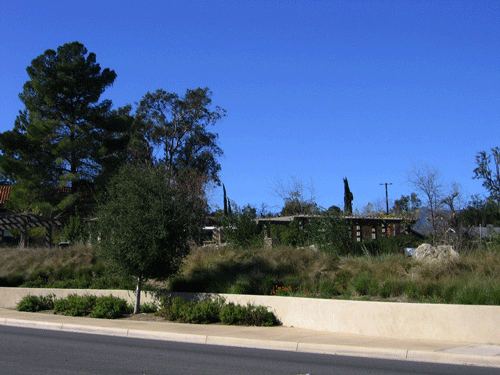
<point>4,193</point>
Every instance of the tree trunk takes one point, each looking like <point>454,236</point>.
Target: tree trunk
<point>137,307</point>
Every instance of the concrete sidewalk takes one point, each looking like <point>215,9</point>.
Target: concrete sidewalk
<point>275,338</point>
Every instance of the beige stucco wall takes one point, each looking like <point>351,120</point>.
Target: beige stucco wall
<point>457,323</point>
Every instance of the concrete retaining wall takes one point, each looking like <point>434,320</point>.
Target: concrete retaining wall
<point>456,323</point>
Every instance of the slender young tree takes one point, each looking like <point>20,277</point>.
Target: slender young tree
<point>147,222</point>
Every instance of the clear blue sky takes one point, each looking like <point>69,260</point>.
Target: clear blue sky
<point>314,90</point>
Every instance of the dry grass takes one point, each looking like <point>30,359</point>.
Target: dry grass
<point>25,262</point>
<point>473,278</point>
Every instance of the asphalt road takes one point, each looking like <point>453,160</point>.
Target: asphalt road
<point>33,351</point>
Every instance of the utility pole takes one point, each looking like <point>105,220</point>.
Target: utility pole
<point>386,196</point>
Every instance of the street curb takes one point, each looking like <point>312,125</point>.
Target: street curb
<point>342,350</point>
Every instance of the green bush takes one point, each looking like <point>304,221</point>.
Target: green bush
<point>233,314</point>
<point>204,312</point>
<point>75,305</point>
<point>149,308</point>
<point>247,315</point>
<point>34,303</point>
<point>213,311</point>
<point>109,308</point>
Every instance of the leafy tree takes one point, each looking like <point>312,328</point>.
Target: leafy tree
<point>407,205</point>
<point>178,128</point>
<point>479,212</point>
<point>240,227</point>
<point>488,169</point>
<point>64,135</point>
<point>148,221</point>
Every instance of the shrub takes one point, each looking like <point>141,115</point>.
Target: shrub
<point>247,315</point>
<point>34,303</point>
<point>75,305</point>
<point>213,311</point>
<point>149,308</point>
<point>109,308</point>
<point>204,312</point>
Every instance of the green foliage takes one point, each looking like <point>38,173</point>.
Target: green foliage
<point>241,229</point>
<point>179,128</point>
<point>214,311</point>
<point>480,212</point>
<point>64,136</point>
<point>489,175</point>
<point>148,220</point>
<point>247,315</point>
<point>203,312</point>
<point>109,308</point>
<point>365,284</point>
<point>297,233</point>
<point>149,308</point>
<point>36,303</point>
<point>75,305</point>
<point>75,230</point>
<point>330,233</point>
<point>407,205</point>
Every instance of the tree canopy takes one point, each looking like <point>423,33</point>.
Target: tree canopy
<point>489,175</point>
<point>147,221</point>
<point>176,130</point>
<point>64,135</point>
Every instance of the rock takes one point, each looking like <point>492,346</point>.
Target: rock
<point>427,252</point>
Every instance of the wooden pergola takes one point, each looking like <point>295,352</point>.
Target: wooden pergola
<point>10,220</point>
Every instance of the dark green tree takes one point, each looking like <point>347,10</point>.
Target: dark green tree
<point>148,221</point>
<point>176,128</point>
<point>488,170</point>
<point>65,135</point>
<point>479,212</point>
<point>348,198</point>
<point>407,205</point>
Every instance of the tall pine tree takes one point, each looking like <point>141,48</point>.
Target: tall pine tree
<point>65,135</point>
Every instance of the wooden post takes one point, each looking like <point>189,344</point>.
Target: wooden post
<point>23,243</point>
<point>48,234</point>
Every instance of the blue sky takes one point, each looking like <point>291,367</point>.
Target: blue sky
<point>314,90</point>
